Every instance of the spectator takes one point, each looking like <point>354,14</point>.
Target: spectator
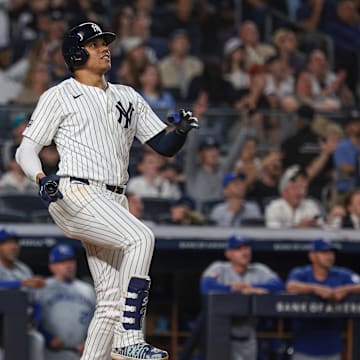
<point>266,186</point>
<point>322,88</point>
<point>149,183</point>
<point>240,275</point>
<point>323,338</point>
<point>14,274</point>
<point>256,53</point>
<point>234,67</point>
<point>150,87</point>
<point>182,212</point>
<point>346,156</point>
<point>18,124</point>
<point>310,151</point>
<point>287,47</point>
<point>67,305</point>
<point>57,66</point>
<point>235,209</point>
<point>248,163</point>
<point>348,216</point>
<point>178,68</point>
<point>293,208</point>
<point>345,32</point>
<point>211,83</point>
<point>203,178</point>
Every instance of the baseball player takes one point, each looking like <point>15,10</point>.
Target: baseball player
<point>66,307</point>
<point>93,124</point>
<point>239,275</point>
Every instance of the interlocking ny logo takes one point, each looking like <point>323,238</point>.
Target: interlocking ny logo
<point>126,114</point>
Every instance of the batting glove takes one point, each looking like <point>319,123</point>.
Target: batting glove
<point>49,189</point>
<point>184,121</point>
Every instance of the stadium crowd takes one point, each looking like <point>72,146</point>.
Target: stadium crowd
<point>279,141</point>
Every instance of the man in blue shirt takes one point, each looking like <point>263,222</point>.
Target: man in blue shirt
<point>346,155</point>
<point>314,340</point>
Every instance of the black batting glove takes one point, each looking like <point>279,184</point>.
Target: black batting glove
<point>184,121</point>
<point>49,189</point>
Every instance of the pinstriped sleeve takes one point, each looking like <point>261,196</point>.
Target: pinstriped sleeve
<point>45,119</point>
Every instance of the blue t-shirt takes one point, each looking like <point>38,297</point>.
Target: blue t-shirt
<point>345,153</point>
<point>162,105</point>
<point>323,336</point>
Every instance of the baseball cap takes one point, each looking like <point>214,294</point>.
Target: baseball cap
<point>208,142</point>
<point>228,178</point>
<point>7,235</point>
<point>61,252</point>
<point>321,244</point>
<point>235,241</point>
<point>178,33</point>
<point>231,45</point>
<point>184,200</point>
<point>353,115</point>
<point>290,175</point>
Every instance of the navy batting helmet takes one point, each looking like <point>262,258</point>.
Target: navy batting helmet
<point>73,50</point>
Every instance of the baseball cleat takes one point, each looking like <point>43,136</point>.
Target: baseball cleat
<point>138,351</point>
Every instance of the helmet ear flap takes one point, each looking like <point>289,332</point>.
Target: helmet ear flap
<point>79,56</point>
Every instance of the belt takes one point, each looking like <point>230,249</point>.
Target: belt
<point>118,189</point>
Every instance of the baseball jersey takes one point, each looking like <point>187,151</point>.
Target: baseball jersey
<point>257,274</point>
<point>66,310</point>
<point>321,337</point>
<point>102,138</point>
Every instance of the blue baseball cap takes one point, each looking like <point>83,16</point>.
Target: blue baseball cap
<point>7,235</point>
<point>235,241</point>
<point>321,244</point>
<point>228,178</point>
<point>184,200</point>
<point>61,252</point>
<point>208,142</point>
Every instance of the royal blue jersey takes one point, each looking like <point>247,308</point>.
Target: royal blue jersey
<point>323,336</point>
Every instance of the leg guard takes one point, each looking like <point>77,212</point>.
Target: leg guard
<point>136,303</point>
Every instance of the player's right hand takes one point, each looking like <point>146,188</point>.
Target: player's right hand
<point>49,189</point>
<point>184,121</point>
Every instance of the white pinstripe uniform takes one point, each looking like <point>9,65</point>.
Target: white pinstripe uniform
<point>93,130</point>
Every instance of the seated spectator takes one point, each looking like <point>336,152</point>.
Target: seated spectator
<point>266,186</point>
<point>66,305</point>
<point>57,66</point>
<point>293,208</point>
<point>182,212</point>
<point>235,209</point>
<point>278,81</point>
<point>312,152</point>
<point>149,183</point>
<point>240,275</point>
<point>219,91</point>
<point>346,156</point>
<point>14,274</point>
<point>321,339</point>
<point>204,172</point>
<point>348,216</point>
<point>18,124</point>
<point>178,68</point>
<point>150,87</point>
<point>287,47</point>
<point>320,87</point>
<point>248,163</point>
<point>256,53</point>
<point>344,30</point>
<point>15,180</point>
<point>234,66</point>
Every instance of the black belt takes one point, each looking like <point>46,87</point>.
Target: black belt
<point>119,189</point>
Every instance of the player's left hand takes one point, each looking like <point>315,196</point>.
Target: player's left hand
<point>49,189</point>
<point>184,121</point>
